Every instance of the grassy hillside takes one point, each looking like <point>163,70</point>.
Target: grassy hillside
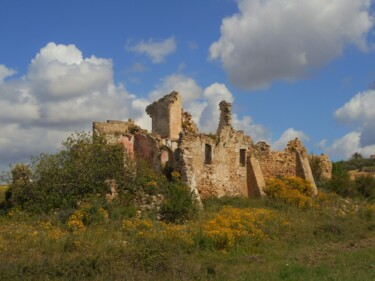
<point>81,214</point>
<point>234,239</point>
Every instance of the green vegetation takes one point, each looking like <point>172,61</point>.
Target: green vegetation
<point>3,189</point>
<point>59,221</point>
<point>234,239</point>
<point>357,162</point>
<point>362,187</point>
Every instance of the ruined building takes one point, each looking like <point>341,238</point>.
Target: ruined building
<point>227,163</point>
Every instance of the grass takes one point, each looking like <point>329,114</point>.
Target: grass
<point>333,240</point>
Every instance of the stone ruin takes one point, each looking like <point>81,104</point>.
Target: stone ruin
<point>225,164</point>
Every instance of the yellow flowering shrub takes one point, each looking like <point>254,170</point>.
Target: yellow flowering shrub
<point>145,229</point>
<point>232,225</point>
<point>292,190</point>
<point>75,221</point>
<point>86,214</point>
<point>222,231</point>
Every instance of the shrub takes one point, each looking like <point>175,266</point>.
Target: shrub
<point>316,167</point>
<point>178,205</point>
<point>89,212</point>
<point>232,225</point>
<point>365,186</point>
<point>61,180</point>
<point>340,182</point>
<point>291,190</point>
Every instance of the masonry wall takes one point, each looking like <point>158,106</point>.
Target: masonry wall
<point>224,175</point>
<point>225,164</point>
<point>166,115</point>
<point>138,145</point>
<point>326,165</point>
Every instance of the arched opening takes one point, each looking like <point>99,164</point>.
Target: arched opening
<point>167,161</point>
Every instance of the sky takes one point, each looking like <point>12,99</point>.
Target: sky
<point>291,68</point>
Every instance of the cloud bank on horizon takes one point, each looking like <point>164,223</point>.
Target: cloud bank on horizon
<point>266,41</point>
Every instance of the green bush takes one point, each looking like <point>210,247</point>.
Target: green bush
<point>178,205</point>
<point>365,186</point>
<point>340,182</point>
<point>60,180</point>
<point>316,167</point>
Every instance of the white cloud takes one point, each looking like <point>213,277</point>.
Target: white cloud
<point>269,40</point>
<point>186,86</point>
<point>346,146</point>
<point>214,94</point>
<point>288,135</point>
<point>5,72</point>
<point>156,50</point>
<point>357,113</point>
<point>203,104</point>
<point>63,91</point>
<point>360,111</point>
<point>256,131</point>
<point>60,72</point>
<point>60,93</point>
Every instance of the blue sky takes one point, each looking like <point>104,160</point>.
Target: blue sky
<point>292,68</point>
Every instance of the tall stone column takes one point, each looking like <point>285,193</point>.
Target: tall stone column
<point>225,115</point>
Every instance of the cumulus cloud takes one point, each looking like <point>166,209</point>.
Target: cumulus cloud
<point>359,114</point>
<point>256,131</point>
<point>5,72</point>
<point>203,104</point>
<point>64,91</point>
<point>156,50</point>
<point>346,146</point>
<point>60,72</point>
<point>288,135</point>
<point>61,92</point>
<point>213,94</point>
<point>186,86</point>
<point>269,40</point>
<point>359,111</point>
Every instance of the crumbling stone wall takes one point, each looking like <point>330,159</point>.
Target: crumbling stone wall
<point>293,161</point>
<point>138,143</point>
<point>326,165</point>
<point>275,163</point>
<point>225,164</point>
<point>166,115</point>
<point>221,174</point>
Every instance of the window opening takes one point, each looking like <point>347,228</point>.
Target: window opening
<point>207,154</point>
<point>242,157</point>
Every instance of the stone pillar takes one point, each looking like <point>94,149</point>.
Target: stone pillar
<point>166,115</point>
<point>302,166</point>
<point>255,179</point>
<point>225,115</point>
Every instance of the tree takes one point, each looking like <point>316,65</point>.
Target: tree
<point>61,180</point>
<point>356,156</point>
